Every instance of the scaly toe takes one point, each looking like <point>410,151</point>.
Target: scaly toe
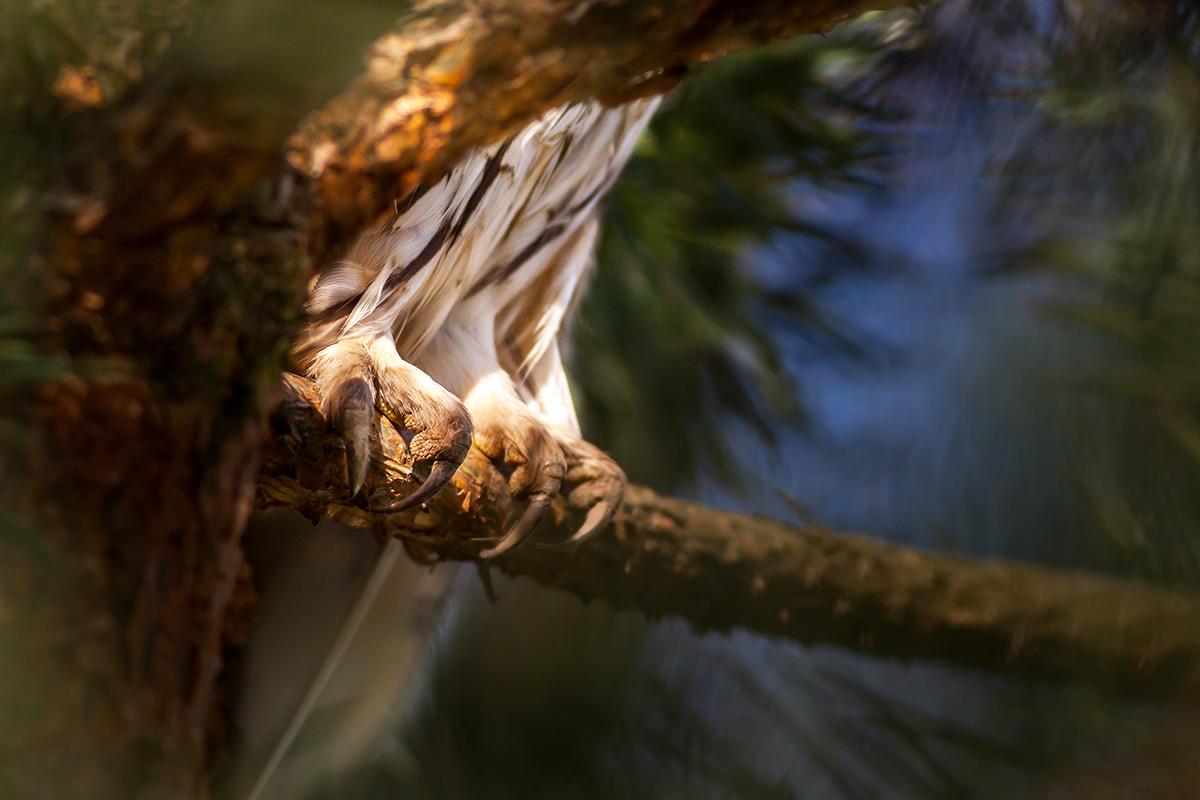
<point>599,487</point>
<point>521,531</point>
<point>512,437</point>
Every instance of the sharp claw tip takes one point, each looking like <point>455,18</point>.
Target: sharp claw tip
<point>522,530</point>
<point>439,475</point>
<point>598,518</point>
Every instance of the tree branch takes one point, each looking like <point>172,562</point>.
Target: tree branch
<point>721,570</point>
<point>455,75</point>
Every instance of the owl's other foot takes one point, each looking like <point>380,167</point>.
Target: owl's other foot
<point>354,377</point>
<point>595,484</point>
<point>544,460</point>
<point>512,436</point>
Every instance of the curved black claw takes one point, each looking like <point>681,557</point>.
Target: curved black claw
<point>439,475</point>
<point>351,409</point>
<point>598,518</point>
<point>524,527</point>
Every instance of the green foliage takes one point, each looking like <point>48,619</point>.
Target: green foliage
<point>674,338</point>
<point>36,42</point>
<point>21,365</point>
<point>1121,104</point>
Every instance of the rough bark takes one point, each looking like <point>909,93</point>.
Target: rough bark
<point>458,74</point>
<point>173,243</point>
<point>721,570</point>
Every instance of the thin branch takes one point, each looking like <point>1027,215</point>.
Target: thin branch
<point>721,570</point>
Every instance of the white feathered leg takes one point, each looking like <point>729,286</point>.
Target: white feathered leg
<point>594,483</point>
<point>529,336</point>
<point>507,231</point>
<point>462,357</point>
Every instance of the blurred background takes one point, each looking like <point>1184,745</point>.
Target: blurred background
<point>935,279</point>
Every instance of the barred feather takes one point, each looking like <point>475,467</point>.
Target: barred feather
<point>504,235</point>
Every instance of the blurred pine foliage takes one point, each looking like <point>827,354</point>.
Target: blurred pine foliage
<point>674,339</point>
<point>21,363</point>
<point>1122,92</point>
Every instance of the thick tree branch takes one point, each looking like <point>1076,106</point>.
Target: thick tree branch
<point>722,570</point>
<point>457,74</point>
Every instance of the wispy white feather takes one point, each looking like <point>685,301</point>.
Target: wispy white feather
<point>506,235</point>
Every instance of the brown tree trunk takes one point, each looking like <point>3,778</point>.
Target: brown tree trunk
<point>173,244</point>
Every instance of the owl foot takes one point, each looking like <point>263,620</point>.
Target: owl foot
<point>543,461</point>
<point>509,434</point>
<point>596,485</point>
<point>354,377</point>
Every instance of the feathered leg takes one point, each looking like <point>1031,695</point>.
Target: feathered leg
<point>594,483</point>
<point>529,339</point>
<point>463,358</point>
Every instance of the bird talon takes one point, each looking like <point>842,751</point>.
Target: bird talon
<point>524,527</point>
<point>439,475</point>
<point>356,379</point>
<point>351,410</point>
<point>598,518</point>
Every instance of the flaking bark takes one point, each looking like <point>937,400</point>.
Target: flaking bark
<point>721,570</point>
